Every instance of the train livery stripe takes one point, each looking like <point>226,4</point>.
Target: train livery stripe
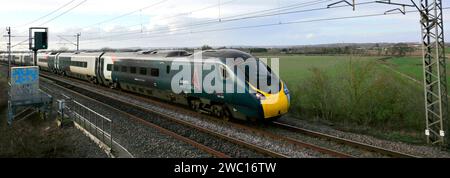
<point>274,104</point>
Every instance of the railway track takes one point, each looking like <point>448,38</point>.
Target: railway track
<point>202,147</point>
<point>295,142</point>
<point>136,112</point>
<point>321,149</point>
<point>344,141</point>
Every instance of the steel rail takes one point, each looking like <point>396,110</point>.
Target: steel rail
<point>200,146</point>
<point>344,141</point>
<point>171,118</point>
<point>264,133</point>
<point>324,150</point>
<point>261,132</point>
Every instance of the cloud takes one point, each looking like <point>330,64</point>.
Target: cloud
<point>171,23</point>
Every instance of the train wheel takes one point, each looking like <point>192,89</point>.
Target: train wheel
<point>195,105</point>
<point>226,116</point>
<point>217,111</point>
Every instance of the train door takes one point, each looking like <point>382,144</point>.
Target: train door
<point>99,67</point>
<point>108,65</point>
<point>57,67</point>
<point>51,61</point>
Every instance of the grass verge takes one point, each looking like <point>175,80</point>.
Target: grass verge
<point>361,96</point>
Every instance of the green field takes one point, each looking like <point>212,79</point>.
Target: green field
<point>357,93</point>
<point>412,66</point>
<point>295,68</point>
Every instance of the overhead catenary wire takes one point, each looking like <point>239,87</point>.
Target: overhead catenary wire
<point>70,42</point>
<point>198,10</point>
<point>279,9</point>
<point>46,15</point>
<point>209,22</point>
<point>271,24</point>
<point>20,43</point>
<point>261,14</point>
<point>169,17</point>
<point>224,20</point>
<point>127,14</point>
<point>65,12</point>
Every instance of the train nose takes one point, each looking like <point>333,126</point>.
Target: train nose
<point>276,104</point>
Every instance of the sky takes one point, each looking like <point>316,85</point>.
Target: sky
<point>193,23</point>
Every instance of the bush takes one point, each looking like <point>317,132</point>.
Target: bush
<point>363,94</point>
<point>316,97</point>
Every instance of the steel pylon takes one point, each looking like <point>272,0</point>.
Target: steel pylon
<point>434,64</point>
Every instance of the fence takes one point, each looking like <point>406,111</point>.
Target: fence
<point>93,122</point>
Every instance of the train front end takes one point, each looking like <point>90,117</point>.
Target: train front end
<point>270,92</point>
<point>270,95</point>
<point>274,105</point>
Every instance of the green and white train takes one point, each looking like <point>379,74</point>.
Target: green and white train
<point>151,74</point>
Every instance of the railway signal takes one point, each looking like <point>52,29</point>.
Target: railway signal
<point>40,40</point>
<point>37,40</point>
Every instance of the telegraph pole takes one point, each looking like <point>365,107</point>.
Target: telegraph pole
<point>78,42</point>
<point>8,29</point>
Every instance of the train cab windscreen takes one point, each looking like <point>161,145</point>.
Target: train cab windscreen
<point>262,76</point>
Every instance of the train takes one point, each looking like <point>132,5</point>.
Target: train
<point>150,73</point>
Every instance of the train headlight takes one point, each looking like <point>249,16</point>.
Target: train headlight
<point>260,96</point>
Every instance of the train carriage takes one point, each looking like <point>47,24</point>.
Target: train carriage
<point>144,73</point>
<point>52,67</point>
<point>15,59</point>
<point>78,65</point>
<point>42,61</point>
<point>27,59</point>
<point>151,73</point>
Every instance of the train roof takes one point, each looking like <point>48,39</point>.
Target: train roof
<point>167,55</point>
<point>226,53</point>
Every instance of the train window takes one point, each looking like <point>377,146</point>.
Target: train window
<point>168,69</point>
<point>79,64</point>
<point>116,68</point>
<point>154,72</point>
<point>109,67</point>
<point>42,60</point>
<point>143,71</point>
<point>124,69</point>
<point>133,70</point>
